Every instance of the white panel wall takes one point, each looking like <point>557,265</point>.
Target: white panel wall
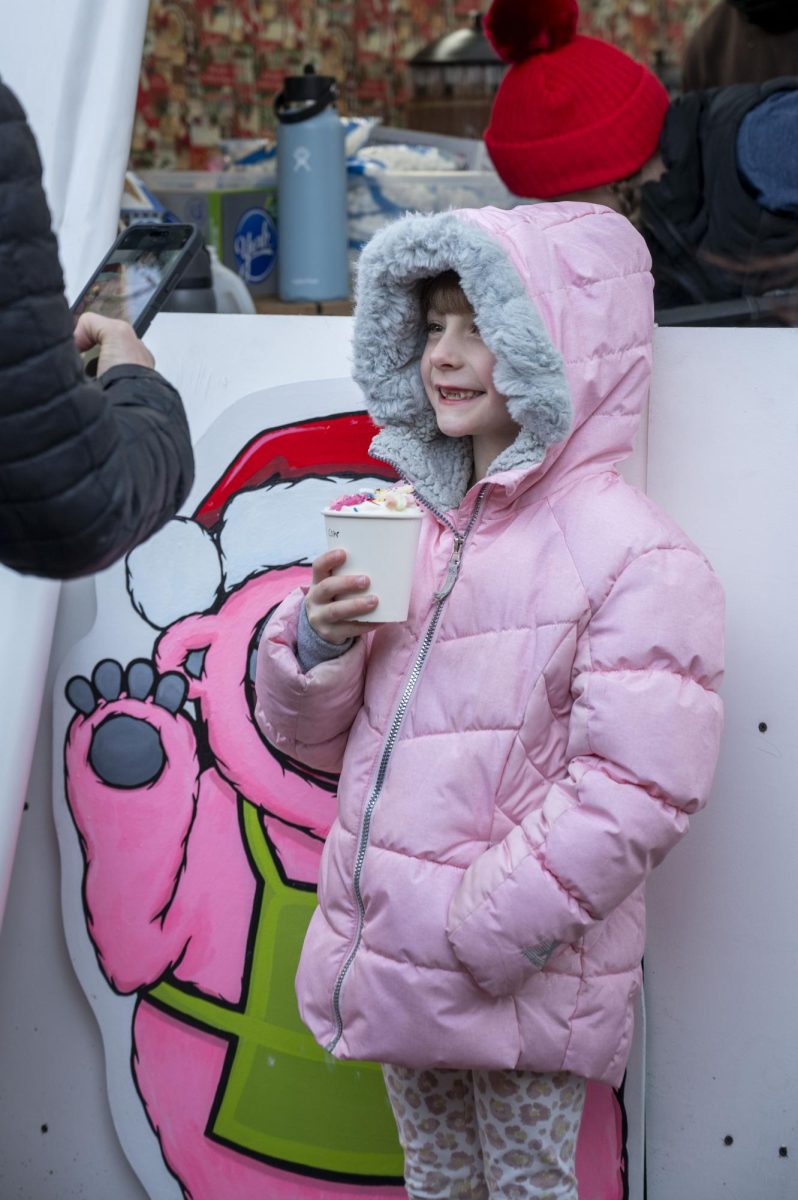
<point>722,958</point>
<point>74,65</point>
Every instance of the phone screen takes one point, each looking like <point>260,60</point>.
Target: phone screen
<point>127,282</point>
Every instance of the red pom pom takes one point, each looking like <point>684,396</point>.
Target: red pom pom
<point>519,28</point>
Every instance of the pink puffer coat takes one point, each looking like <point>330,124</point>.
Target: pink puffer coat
<point>518,756</point>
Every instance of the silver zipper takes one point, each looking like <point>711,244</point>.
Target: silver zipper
<point>453,570</point>
<point>387,750</point>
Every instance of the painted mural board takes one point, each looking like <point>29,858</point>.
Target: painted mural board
<point>190,848</point>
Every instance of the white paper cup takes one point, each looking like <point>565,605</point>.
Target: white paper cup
<point>382,547</point>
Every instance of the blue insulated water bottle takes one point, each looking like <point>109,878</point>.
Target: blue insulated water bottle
<point>312,263</point>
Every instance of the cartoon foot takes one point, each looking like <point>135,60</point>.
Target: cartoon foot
<point>132,782</point>
<point>126,748</point>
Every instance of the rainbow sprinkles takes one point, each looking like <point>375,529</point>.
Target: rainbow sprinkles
<point>388,501</point>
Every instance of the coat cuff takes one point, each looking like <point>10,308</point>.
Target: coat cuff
<point>132,371</point>
<point>311,648</point>
<point>509,915</point>
<point>306,716</point>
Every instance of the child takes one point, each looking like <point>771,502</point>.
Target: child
<point>518,755</point>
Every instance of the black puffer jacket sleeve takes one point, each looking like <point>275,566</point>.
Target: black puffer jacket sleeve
<point>87,469</point>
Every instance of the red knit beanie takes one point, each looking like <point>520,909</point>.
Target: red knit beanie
<point>572,112</point>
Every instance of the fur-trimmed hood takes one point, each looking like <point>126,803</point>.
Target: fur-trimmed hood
<point>562,294</point>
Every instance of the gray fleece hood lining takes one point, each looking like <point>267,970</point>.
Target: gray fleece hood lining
<point>389,339</point>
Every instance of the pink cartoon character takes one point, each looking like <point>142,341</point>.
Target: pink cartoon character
<point>202,849</point>
<point>202,844</point>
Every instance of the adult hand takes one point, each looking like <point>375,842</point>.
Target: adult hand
<point>333,600</point>
<point>119,345</point>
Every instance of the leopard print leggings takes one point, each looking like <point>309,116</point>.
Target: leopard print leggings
<point>487,1135</point>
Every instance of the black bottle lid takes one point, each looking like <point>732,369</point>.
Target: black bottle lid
<point>304,96</point>
<point>308,88</point>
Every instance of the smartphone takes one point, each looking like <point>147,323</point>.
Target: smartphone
<point>137,275</point>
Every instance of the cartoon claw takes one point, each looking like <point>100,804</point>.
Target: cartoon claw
<point>171,691</point>
<point>140,678</point>
<point>106,683</point>
<point>80,695</point>
<point>107,679</point>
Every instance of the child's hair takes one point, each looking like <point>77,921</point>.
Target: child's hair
<point>444,293</point>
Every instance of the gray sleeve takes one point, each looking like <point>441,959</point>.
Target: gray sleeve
<point>312,649</point>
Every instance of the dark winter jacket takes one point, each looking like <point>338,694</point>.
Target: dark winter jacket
<point>774,16</point>
<point>750,41</point>
<point>709,237</point>
<point>87,469</point>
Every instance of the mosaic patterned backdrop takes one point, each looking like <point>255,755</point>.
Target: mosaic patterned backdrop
<point>212,68</point>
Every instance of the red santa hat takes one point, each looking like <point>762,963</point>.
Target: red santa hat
<point>263,512</point>
<point>572,112</point>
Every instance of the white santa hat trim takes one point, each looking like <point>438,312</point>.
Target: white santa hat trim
<point>277,525</point>
<point>183,568</point>
<point>176,572</point>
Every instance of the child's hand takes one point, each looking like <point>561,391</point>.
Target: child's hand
<point>333,600</point>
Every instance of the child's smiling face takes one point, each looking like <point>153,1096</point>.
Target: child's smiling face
<point>457,373</point>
